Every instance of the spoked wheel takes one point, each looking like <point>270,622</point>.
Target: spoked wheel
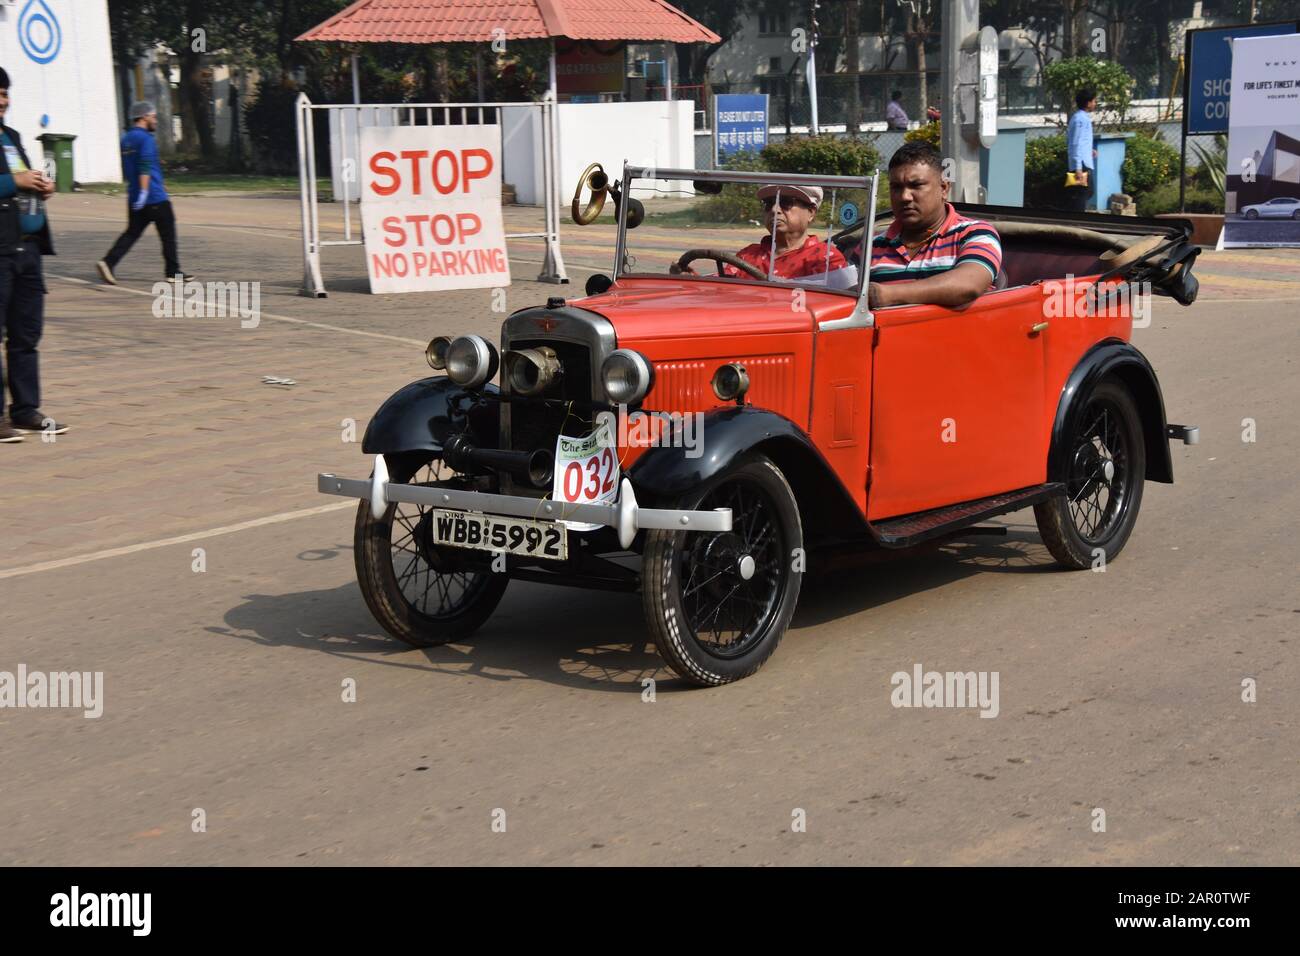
<point>421,593</point>
<point>718,604</point>
<point>1107,471</point>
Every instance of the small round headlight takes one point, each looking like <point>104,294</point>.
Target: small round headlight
<point>626,376</point>
<point>436,352</point>
<point>471,361</point>
<point>730,382</point>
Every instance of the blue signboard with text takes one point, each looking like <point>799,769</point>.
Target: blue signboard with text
<point>739,124</point>
<point>1209,73</point>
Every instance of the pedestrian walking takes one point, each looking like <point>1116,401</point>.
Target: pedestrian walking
<point>1081,158</point>
<point>147,199</point>
<point>895,115</point>
<point>24,238</point>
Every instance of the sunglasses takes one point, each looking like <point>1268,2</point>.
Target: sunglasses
<point>787,203</point>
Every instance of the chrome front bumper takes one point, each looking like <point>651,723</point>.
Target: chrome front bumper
<point>625,516</point>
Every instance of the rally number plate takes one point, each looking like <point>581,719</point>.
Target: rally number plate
<point>498,533</point>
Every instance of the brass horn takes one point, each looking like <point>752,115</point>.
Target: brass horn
<point>595,179</point>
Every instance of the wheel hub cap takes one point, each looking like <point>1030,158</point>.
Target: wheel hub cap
<point>746,567</point>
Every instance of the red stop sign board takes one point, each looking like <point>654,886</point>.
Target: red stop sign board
<point>431,208</point>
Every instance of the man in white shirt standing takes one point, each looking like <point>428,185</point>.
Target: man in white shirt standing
<point>1080,156</point>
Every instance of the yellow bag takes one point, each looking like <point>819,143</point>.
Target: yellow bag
<point>1072,180</point>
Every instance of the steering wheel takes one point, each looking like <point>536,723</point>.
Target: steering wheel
<point>719,257</point>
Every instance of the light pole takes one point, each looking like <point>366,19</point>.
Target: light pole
<point>960,24</point>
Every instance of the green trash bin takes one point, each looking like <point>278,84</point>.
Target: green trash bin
<point>59,145</point>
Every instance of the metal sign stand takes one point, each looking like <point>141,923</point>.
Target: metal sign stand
<point>349,127</point>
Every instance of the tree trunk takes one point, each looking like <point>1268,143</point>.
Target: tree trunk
<point>124,84</point>
<point>853,67</point>
<point>918,53</point>
<point>196,117</point>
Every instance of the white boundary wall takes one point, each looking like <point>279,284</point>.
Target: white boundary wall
<point>654,133</point>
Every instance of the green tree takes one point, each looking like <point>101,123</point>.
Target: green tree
<point>1110,81</point>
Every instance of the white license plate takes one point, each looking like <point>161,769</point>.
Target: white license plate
<point>498,533</point>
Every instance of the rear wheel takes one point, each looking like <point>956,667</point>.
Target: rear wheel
<point>1103,486</point>
<point>719,604</point>
<point>422,593</point>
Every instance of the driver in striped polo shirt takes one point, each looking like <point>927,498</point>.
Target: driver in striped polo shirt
<point>930,254</point>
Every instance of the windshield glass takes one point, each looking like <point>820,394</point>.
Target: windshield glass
<point>746,232</point>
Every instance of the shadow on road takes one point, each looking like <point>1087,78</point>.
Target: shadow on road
<point>596,640</point>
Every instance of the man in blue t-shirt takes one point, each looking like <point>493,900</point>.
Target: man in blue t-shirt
<point>147,198</point>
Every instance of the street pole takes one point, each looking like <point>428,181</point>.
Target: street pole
<point>960,152</point>
<point>555,96</point>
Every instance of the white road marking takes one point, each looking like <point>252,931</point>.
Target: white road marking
<point>262,315</point>
<point>297,237</point>
<point>178,539</point>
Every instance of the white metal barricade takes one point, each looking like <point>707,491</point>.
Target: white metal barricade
<point>345,124</point>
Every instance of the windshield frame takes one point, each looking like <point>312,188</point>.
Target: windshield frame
<point>861,316</point>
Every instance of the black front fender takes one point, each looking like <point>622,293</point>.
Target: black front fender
<point>421,416</point>
<point>664,474</point>
<point>1119,360</point>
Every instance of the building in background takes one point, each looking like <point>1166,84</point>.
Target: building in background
<point>60,64</point>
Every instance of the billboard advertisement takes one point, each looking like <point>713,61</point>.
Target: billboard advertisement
<point>1262,195</point>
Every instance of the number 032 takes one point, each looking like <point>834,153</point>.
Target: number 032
<point>590,479</point>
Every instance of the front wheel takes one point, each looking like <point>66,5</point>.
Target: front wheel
<point>1252,213</point>
<point>717,604</point>
<point>1103,486</point>
<point>422,593</point>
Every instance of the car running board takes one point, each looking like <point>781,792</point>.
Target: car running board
<point>907,530</point>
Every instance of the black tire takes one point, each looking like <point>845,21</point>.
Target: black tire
<point>1252,213</point>
<point>461,581</point>
<point>757,609</point>
<point>1296,214</point>
<point>1098,512</point>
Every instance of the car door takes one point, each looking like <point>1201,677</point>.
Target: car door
<point>957,402</point>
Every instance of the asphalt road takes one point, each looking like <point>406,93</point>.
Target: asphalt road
<point>223,688</point>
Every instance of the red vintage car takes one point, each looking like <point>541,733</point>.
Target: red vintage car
<point>699,435</point>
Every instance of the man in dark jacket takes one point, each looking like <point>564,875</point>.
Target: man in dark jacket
<point>24,238</point>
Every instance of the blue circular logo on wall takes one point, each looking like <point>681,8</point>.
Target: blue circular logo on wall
<point>848,214</point>
<point>38,31</point>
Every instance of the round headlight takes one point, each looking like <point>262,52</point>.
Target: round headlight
<point>730,382</point>
<point>471,361</point>
<point>627,376</point>
<point>436,352</point>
